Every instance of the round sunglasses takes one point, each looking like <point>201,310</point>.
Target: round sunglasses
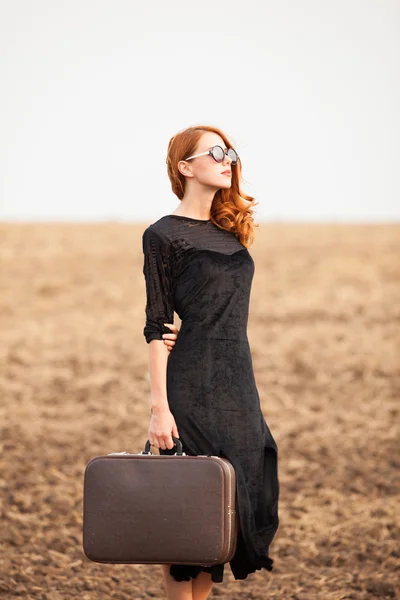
<point>218,154</point>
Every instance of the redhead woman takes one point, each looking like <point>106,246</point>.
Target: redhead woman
<point>202,387</point>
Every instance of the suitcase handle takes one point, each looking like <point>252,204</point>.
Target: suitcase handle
<point>178,443</point>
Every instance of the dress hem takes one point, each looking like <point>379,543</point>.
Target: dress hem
<point>188,572</point>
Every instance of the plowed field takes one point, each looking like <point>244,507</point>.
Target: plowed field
<point>324,329</point>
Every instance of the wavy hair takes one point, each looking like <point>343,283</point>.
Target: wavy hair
<point>231,208</point>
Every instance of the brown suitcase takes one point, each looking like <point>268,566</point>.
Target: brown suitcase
<point>152,508</point>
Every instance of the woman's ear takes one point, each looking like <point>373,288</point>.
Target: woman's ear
<point>184,168</point>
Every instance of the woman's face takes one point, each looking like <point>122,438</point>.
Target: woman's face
<point>205,169</point>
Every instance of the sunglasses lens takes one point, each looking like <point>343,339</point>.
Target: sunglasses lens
<point>233,156</point>
<point>218,153</point>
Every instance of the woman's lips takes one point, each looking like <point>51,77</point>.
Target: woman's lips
<point>227,173</point>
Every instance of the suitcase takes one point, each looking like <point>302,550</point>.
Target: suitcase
<point>156,509</point>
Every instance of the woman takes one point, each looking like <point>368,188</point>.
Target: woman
<point>203,390</point>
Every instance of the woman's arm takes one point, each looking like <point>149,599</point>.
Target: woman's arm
<point>157,269</point>
<point>162,423</point>
<point>158,357</point>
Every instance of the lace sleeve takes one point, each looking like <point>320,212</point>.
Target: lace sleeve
<point>157,270</point>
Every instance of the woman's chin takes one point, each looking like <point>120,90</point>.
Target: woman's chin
<point>227,185</point>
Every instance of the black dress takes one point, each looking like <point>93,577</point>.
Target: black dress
<point>204,274</point>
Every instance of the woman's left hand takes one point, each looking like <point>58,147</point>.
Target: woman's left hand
<point>170,338</point>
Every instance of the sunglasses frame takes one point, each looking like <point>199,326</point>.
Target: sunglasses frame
<point>210,152</point>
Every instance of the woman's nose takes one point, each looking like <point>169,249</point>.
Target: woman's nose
<point>227,157</point>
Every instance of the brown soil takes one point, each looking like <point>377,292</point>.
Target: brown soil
<point>324,329</point>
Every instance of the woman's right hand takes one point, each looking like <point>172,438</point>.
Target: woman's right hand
<point>162,427</point>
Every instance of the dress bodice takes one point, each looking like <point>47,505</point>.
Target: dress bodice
<point>201,272</point>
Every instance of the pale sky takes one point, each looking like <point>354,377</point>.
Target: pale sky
<point>92,91</point>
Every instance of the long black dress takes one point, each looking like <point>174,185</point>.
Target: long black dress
<point>204,274</point>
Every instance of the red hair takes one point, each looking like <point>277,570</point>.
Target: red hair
<point>231,208</point>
